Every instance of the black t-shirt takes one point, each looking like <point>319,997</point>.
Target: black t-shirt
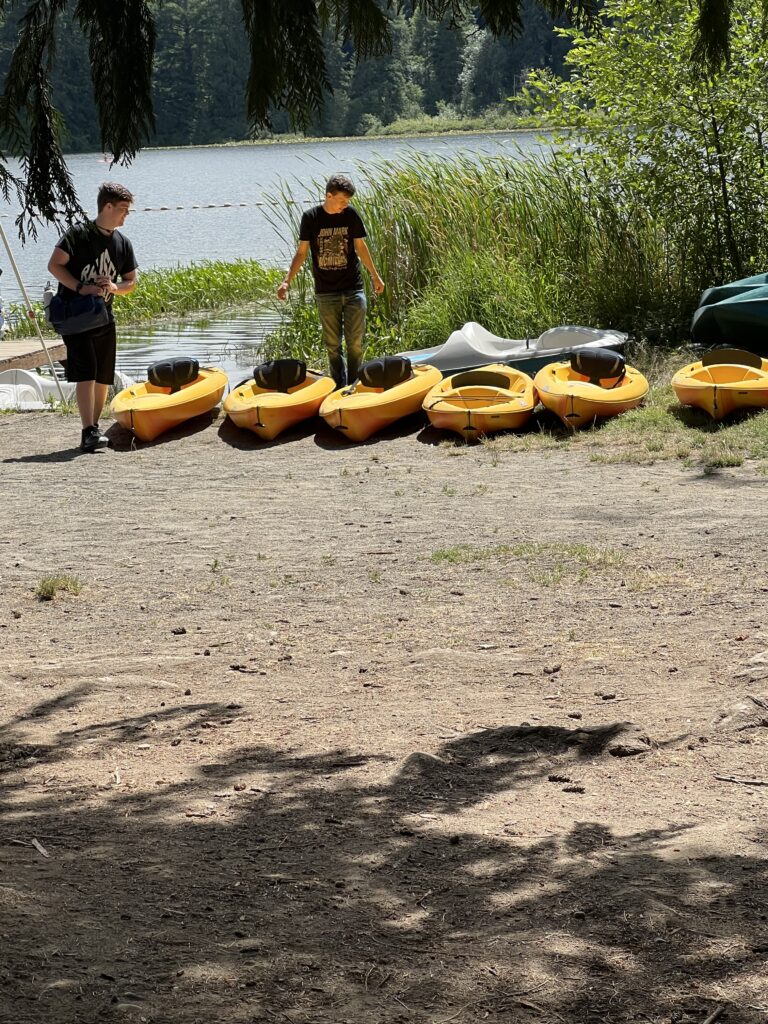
<point>93,254</point>
<point>331,238</point>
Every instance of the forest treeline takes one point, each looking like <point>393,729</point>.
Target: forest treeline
<point>202,61</point>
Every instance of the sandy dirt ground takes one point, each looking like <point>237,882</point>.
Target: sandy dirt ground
<point>396,732</point>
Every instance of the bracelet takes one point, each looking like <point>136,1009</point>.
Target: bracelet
<point>79,287</point>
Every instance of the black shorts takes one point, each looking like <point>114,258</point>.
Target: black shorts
<point>91,355</point>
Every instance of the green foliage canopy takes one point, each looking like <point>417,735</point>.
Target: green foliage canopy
<point>687,147</point>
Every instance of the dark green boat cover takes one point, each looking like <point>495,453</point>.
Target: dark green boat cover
<point>734,314</point>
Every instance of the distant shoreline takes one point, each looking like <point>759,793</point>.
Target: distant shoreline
<point>297,140</point>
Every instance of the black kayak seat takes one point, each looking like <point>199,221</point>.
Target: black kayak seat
<point>385,373</point>
<point>481,379</point>
<point>173,373</point>
<point>731,357</point>
<point>280,374</point>
<point>598,364</point>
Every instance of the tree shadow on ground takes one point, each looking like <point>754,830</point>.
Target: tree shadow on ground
<point>325,886</point>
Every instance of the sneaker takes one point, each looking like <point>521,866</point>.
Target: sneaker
<point>92,438</point>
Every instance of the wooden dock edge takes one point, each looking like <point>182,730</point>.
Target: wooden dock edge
<point>27,353</point>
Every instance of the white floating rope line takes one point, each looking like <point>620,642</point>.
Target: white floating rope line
<point>223,206</point>
<point>208,206</point>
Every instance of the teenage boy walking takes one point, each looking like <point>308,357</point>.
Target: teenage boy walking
<point>335,235</point>
<point>94,258</point>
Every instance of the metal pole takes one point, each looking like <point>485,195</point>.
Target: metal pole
<point>30,312</point>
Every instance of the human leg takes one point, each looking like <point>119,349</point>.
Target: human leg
<point>84,394</point>
<point>99,398</point>
<point>105,349</point>
<point>91,367</point>
<point>329,308</point>
<point>354,310</point>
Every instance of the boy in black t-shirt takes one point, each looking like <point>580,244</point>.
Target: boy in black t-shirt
<point>335,236</point>
<point>94,258</point>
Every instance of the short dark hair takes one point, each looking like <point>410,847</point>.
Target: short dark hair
<point>340,183</point>
<point>112,192</point>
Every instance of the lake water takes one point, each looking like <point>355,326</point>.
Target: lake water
<point>212,203</point>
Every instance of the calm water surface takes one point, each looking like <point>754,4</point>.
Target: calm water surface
<point>212,203</point>
<point>231,342</point>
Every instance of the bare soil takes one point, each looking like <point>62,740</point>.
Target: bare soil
<point>396,732</point>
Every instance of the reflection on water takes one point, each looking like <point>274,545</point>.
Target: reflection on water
<point>229,341</point>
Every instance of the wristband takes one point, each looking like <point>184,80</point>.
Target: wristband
<point>79,287</point>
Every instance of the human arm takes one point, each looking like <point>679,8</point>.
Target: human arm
<point>366,259</point>
<point>57,267</point>
<point>296,264</point>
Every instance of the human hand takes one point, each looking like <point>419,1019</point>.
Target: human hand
<point>91,289</point>
<point>378,284</point>
<point>106,284</point>
<point>282,291</point>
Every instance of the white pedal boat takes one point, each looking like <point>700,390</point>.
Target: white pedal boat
<point>474,346</point>
<point>26,391</point>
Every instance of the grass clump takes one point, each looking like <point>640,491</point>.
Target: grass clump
<point>173,292</point>
<point>549,562</point>
<point>210,284</point>
<point>49,586</point>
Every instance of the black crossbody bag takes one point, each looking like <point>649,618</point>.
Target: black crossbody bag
<point>73,316</point>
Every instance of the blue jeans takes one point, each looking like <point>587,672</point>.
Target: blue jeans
<point>343,313</point>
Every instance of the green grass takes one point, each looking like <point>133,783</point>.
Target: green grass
<point>50,586</point>
<point>174,293</point>
<point>583,554</point>
<point>547,564</point>
<point>502,119</point>
<point>209,285</point>
<point>659,430</point>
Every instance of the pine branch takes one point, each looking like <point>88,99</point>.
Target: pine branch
<point>361,22</point>
<point>121,48</point>
<point>287,60</point>
<point>504,17</point>
<point>712,49</point>
<point>32,127</point>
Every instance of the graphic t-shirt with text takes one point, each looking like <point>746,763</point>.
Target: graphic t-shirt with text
<point>331,238</point>
<point>93,254</point>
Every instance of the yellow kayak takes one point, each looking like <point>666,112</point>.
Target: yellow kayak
<point>482,401</point>
<point>279,395</point>
<point>387,389</point>
<point>724,380</point>
<point>592,385</point>
<point>176,391</point>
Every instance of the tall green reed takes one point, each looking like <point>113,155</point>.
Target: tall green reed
<point>519,244</point>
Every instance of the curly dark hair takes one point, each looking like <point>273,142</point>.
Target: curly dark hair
<point>340,183</point>
<point>112,192</point>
